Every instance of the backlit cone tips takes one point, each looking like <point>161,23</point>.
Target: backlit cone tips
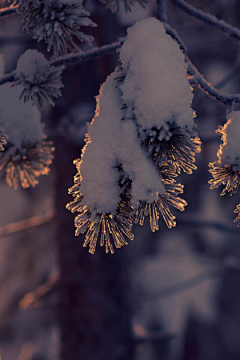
<point>57,22</point>
<point>226,171</point>
<point>237,211</point>
<point>173,146</point>
<point>161,205</point>
<point>23,166</point>
<point>108,229</point>
<point>141,137</point>
<point>3,139</point>
<point>41,82</point>
<point>27,154</point>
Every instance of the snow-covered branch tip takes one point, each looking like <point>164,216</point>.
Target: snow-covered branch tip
<point>196,78</point>
<point>142,136</point>
<point>209,19</point>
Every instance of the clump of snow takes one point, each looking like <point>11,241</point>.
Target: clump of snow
<point>41,81</point>
<point>20,121</point>
<point>30,63</point>
<point>229,151</point>
<point>155,85</point>
<point>113,142</point>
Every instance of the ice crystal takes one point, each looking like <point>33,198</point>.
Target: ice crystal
<point>161,205</point>
<point>226,171</point>
<point>41,81</point>
<point>3,139</point>
<point>113,5</point>
<point>58,23</point>
<point>108,228</point>
<point>23,166</point>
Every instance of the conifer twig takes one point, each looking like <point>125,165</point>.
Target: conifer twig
<point>8,11</point>
<point>209,19</point>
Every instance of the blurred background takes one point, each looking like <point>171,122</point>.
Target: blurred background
<point>170,295</point>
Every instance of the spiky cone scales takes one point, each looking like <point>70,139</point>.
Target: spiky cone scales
<point>174,146</point>
<point>161,205</point>
<point>107,229</point>
<point>23,167</point>
<point>3,139</point>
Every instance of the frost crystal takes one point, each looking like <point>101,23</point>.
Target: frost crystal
<point>27,155</point>
<point>57,22</point>
<point>41,81</point>
<point>141,137</point>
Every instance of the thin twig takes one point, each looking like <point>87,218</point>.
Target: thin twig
<point>161,10</point>
<point>88,55</point>
<point>8,11</point>
<point>181,286</point>
<point>209,19</point>
<point>211,225</point>
<point>30,223</point>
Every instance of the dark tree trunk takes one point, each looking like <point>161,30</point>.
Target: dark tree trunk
<point>94,311</point>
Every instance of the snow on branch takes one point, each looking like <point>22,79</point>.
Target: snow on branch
<point>147,136</point>
<point>209,19</point>
<point>88,55</point>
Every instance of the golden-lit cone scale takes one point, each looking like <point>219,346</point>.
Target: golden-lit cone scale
<point>224,174</point>
<point>23,169</point>
<point>237,211</point>
<point>160,206</point>
<point>102,227</point>
<point>178,151</point>
<point>3,139</point>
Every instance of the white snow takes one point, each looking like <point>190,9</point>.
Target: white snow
<point>114,142</point>
<point>30,63</point>
<point>155,90</point>
<point>20,121</point>
<point>156,84</point>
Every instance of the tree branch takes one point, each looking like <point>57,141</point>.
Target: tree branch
<point>8,11</point>
<point>181,286</point>
<point>161,10</point>
<point>210,224</point>
<point>88,55</point>
<point>209,19</point>
<point>30,223</point>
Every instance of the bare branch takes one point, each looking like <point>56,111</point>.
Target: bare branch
<point>88,55</point>
<point>210,224</point>
<point>182,286</point>
<point>41,292</point>
<point>161,10</point>
<point>8,11</point>
<point>27,224</point>
<point>209,19</point>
